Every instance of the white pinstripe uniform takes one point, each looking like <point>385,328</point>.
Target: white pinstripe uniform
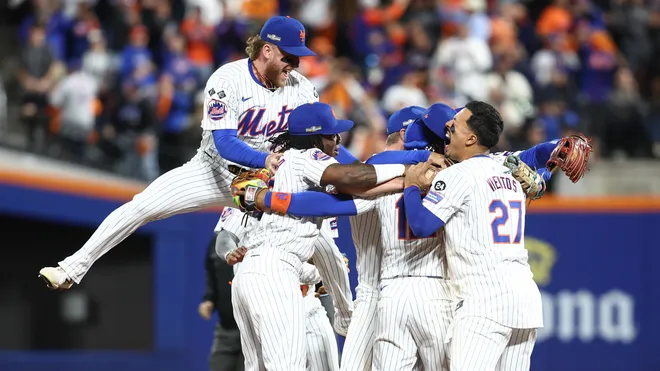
<point>414,307</point>
<point>358,348</point>
<point>322,350</point>
<point>233,100</point>
<point>498,305</point>
<point>268,307</point>
<point>327,259</point>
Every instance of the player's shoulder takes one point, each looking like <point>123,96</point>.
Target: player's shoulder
<point>229,73</point>
<point>297,79</point>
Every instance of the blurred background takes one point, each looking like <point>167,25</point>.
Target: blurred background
<point>99,97</point>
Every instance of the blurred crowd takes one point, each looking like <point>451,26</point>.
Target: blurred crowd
<point>116,83</point>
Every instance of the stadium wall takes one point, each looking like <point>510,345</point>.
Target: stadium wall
<point>594,260</point>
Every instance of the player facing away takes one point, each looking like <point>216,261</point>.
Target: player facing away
<point>328,260</point>
<point>266,291</point>
<point>482,209</point>
<point>246,102</point>
<point>322,351</point>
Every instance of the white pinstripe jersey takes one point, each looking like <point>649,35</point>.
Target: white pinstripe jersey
<point>403,254</point>
<point>233,99</point>
<point>299,171</point>
<point>483,208</point>
<point>366,230</point>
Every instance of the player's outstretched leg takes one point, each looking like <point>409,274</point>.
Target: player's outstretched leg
<point>197,184</point>
<point>476,344</point>
<point>358,347</point>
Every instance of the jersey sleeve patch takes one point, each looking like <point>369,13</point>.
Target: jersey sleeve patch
<point>433,197</point>
<point>319,155</point>
<point>216,109</point>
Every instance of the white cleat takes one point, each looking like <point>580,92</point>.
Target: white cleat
<point>55,278</point>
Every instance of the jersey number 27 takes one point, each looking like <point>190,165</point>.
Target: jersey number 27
<point>501,225</point>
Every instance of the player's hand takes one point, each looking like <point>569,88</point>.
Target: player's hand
<point>440,161</point>
<point>236,255</point>
<point>421,176</point>
<point>272,162</point>
<point>206,309</point>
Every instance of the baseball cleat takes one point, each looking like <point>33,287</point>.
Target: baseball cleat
<point>55,278</point>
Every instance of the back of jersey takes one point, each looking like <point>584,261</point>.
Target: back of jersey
<point>403,253</point>
<point>485,243</point>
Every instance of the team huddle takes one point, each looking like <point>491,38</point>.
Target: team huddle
<point>437,220</point>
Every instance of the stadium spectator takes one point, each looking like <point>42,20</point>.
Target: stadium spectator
<point>75,98</point>
<point>38,73</point>
<point>624,127</point>
<point>460,64</point>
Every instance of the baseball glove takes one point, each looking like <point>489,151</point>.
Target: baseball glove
<point>532,182</point>
<point>244,188</point>
<point>571,155</point>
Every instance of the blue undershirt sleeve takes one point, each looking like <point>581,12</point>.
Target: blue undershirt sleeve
<point>422,222</point>
<point>538,155</point>
<point>317,204</point>
<point>399,157</point>
<point>235,150</point>
<point>345,157</point>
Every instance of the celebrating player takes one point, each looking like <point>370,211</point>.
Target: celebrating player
<point>265,292</point>
<point>482,209</point>
<point>322,352</point>
<point>314,203</point>
<point>246,102</point>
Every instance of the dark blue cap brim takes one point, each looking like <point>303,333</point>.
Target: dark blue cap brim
<point>341,127</point>
<point>298,51</point>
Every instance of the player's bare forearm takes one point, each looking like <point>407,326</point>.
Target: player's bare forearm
<point>349,177</point>
<point>346,178</point>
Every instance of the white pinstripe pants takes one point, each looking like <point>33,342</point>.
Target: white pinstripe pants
<point>358,347</point>
<point>269,311</point>
<point>198,184</point>
<point>322,350</point>
<point>481,344</point>
<point>413,316</point>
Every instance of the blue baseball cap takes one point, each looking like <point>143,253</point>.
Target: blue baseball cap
<point>436,116</point>
<point>316,118</point>
<point>403,117</point>
<point>287,33</point>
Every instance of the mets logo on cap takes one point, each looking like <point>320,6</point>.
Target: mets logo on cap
<point>216,110</point>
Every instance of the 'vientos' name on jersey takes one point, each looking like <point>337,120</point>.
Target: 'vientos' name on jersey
<point>500,182</point>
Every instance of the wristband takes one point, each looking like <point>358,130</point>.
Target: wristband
<point>388,172</point>
<point>279,202</point>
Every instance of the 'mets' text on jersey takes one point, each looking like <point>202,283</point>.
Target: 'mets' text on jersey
<point>234,99</point>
